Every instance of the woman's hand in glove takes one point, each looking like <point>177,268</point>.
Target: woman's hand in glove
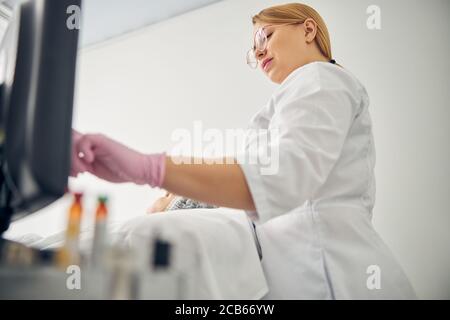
<point>114,162</point>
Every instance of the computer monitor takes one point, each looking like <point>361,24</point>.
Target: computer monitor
<point>36,102</point>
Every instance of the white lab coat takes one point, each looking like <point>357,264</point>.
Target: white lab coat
<point>314,213</point>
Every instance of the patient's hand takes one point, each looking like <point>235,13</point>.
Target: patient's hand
<point>161,203</point>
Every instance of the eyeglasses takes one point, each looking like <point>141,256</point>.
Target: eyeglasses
<point>260,43</point>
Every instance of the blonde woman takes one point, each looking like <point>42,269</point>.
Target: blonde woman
<point>313,215</point>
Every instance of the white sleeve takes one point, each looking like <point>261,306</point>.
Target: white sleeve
<point>312,121</point>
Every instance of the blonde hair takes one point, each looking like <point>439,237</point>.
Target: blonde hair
<point>297,12</point>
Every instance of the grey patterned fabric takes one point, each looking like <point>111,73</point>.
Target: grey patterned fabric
<point>178,203</point>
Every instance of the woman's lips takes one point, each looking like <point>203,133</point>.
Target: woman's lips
<point>267,64</point>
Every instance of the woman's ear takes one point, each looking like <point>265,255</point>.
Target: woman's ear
<point>310,27</point>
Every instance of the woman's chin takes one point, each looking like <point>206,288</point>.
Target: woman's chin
<point>274,76</point>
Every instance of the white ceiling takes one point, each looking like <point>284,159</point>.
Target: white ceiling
<point>105,19</point>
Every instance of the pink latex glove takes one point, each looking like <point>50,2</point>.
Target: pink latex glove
<point>114,162</point>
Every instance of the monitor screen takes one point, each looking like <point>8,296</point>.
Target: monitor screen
<point>37,103</point>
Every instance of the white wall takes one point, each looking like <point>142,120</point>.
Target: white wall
<point>142,86</point>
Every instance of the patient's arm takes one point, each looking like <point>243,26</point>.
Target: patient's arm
<point>161,203</point>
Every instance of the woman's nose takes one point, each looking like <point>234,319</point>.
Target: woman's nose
<point>261,54</point>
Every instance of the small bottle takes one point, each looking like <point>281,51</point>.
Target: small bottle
<point>100,233</point>
<point>69,254</point>
<point>124,276</point>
